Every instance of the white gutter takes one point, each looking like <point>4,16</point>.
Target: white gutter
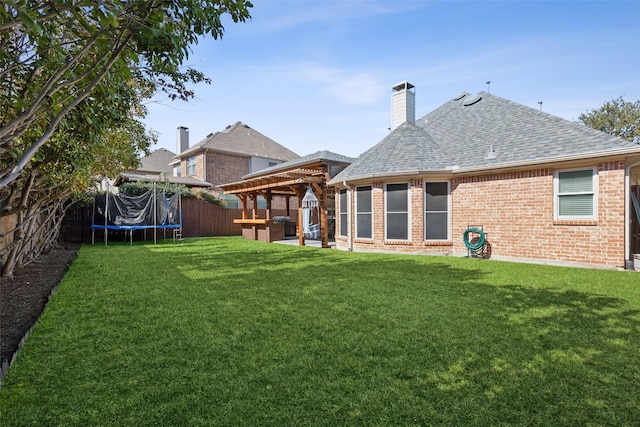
<point>526,163</point>
<point>457,170</point>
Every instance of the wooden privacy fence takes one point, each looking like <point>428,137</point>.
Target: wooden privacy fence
<point>199,219</point>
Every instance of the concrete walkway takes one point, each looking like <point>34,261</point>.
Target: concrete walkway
<point>307,242</point>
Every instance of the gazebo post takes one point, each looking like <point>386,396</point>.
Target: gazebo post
<point>268,204</point>
<point>300,193</point>
<point>324,223</point>
<point>254,214</point>
<point>243,199</point>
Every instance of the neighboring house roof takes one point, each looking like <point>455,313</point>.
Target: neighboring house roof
<point>310,169</point>
<point>158,161</point>
<point>188,181</point>
<point>482,131</point>
<point>325,157</point>
<point>240,139</point>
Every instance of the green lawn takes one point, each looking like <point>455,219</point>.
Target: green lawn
<point>224,331</point>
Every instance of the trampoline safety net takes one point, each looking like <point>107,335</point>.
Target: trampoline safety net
<point>149,210</point>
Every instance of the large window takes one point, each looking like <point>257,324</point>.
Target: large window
<point>344,211</point>
<point>436,206</point>
<point>575,196</point>
<point>397,211</point>
<point>363,212</point>
<point>191,165</point>
<point>177,170</point>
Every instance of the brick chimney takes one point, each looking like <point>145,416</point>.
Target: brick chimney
<point>403,104</point>
<point>182,139</point>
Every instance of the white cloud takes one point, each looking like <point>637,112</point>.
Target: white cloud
<point>350,87</point>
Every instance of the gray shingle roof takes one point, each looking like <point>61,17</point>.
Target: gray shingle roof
<point>456,135</point>
<point>406,148</point>
<point>325,156</point>
<point>239,138</point>
<point>157,161</point>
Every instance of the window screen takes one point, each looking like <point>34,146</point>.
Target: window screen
<point>397,215</point>
<point>191,165</point>
<point>343,212</point>
<point>575,193</point>
<point>436,210</point>
<point>364,212</point>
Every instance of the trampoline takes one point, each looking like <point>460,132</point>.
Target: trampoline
<point>151,210</point>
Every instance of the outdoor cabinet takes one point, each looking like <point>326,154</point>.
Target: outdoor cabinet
<point>264,230</point>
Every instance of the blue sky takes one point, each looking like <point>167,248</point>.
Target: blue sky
<point>317,75</point>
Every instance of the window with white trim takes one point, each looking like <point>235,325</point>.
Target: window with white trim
<point>191,165</point>
<point>575,194</point>
<point>397,211</point>
<point>177,170</point>
<point>343,212</point>
<point>436,210</point>
<point>364,216</point>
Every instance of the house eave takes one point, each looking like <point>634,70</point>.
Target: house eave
<point>548,161</point>
<point>398,174</point>
<point>452,171</point>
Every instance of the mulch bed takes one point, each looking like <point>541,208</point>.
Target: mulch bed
<point>24,296</point>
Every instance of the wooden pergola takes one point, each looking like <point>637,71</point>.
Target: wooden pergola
<point>290,179</point>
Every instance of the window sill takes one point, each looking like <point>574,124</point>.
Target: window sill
<point>398,242</point>
<point>437,243</point>
<point>575,222</point>
<point>363,240</point>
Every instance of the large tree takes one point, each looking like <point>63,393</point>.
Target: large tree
<point>73,78</point>
<point>616,117</point>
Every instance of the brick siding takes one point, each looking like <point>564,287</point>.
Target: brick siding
<point>516,211</point>
<point>226,168</point>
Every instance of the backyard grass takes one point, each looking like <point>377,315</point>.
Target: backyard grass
<point>224,331</point>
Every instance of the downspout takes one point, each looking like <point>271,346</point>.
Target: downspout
<point>627,219</point>
<point>349,212</point>
<point>627,215</point>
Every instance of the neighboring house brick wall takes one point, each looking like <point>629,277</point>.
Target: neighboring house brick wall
<point>226,168</point>
<point>516,211</point>
<point>200,165</point>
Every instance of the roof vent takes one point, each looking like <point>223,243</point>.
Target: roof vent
<point>491,154</point>
<point>472,100</point>
<point>459,97</point>
<point>210,135</point>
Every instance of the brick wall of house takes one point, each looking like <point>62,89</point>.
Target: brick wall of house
<point>515,210</point>
<point>226,168</point>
